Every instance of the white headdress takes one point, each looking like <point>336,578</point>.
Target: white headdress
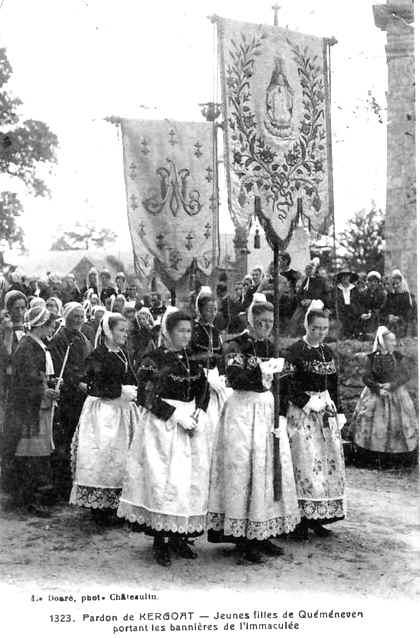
<point>257,297</point>
<point>164,337</point>
<point>374,273</point>
<point>87,307</point>
<point>104,331</point>
<point>69,307</point>
<point>37,302</point>
<point>96,309</point>
<point>146,312</point>
<point>36,317</point>
<point>58,303</point>
<point>381,332</point>
<point>316,304</point>
<point>205,291</point>
<point>315,262</point>
<point>404,285</point>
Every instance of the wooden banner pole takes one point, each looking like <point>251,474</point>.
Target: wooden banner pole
<point>276,380</point>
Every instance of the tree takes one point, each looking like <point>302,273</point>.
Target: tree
<point>363,241</point>
<point>25,147</point>
<point>84,236</point>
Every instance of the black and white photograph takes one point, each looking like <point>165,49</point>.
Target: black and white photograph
<point>208,318</point>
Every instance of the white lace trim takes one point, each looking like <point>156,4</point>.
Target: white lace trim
<point>161,522</point>
<point>95,497</point>
<point>244,528</point>
<point>333,508</point>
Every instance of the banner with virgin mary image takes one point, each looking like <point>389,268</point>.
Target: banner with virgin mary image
<point>276,103</point>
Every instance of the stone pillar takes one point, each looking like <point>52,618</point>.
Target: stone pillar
<point>400,223</point>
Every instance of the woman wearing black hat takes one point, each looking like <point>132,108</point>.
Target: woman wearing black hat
<point>347,306</point>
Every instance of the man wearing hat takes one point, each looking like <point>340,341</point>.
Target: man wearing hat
<point>348,308</point>
<point>107,288</point>
<point>371,302</point>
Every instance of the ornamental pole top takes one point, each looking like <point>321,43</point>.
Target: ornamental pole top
<point>276,8</point>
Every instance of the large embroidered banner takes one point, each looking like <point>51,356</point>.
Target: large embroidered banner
<point>171,195</point>
<point>277,124</point>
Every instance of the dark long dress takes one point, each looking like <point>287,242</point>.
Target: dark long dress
<point>141,341</point>
<point>206,345</point>
<point>399,305</point>
<point>385,428</point>
<point>370,301</point>
<point>315,439</point>
<point>348,313</point>
<point>28,437</point>
<point>166,487</point>
<point>8,465</point>
<point>71,399</point>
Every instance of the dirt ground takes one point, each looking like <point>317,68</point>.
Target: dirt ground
<point>375,551</point>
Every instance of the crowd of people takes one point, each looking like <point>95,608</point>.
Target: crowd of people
<point>165,418</point>
<point>357,303</point>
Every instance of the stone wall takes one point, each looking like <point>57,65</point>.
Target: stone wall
<point>401,224</point>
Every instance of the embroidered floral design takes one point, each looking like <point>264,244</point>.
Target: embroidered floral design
<point>235,359</point>
<point>320,367</point>
<point>244,528</point>
<point>280,177</point>
<point>162,522</point>
<point>96,497</point>
<point>322,509</point>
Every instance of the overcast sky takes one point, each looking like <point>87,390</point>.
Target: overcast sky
<point>78,61</point>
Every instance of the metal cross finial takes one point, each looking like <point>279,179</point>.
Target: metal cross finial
<point>276,8</point>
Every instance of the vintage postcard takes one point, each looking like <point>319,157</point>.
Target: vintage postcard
<point>208,318</point>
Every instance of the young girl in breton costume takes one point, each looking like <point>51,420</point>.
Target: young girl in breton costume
<point>207,349</point>
<point>242,508</point>
<point>167,480</point>
<point>106,424</point>
<point>309,401</point>
<point>384,426</point>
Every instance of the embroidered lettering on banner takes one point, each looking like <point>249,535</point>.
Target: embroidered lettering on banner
<point>171,196</point>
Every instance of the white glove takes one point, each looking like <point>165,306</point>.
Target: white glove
<point>315,404</point>
<point>183,419</point>
<point>282,425</point>
<point>129,392</point>
<point>341,420</point>
<point>272,366</point>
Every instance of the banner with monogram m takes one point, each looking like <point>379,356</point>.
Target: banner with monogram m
<point>171,196</point>
<point>275,93</point>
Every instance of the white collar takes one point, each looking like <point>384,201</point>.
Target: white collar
<point>310,344</point>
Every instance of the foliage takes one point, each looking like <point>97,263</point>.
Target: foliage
<point>10,210</point>
<point>25,146</point>
<point>363,241</point>
<point>84,236</point>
